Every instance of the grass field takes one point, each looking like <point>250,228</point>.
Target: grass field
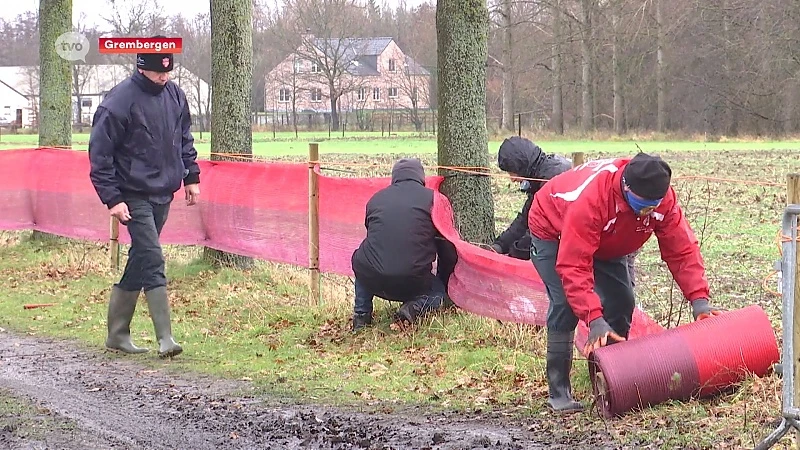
<point>258,325</point>
<point>264,145</point>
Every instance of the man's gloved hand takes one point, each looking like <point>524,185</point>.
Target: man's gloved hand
<point>702,310</point>
<point>497,248</point>
<point>599,333</point>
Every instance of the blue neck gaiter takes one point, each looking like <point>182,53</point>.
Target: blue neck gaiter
<point>638,205</point>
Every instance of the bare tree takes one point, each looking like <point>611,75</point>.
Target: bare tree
<point>55,124</point>
<point>413,83</point>
<point>232,78</point>
<point>289,85</point>
<point>31,90</point>
<point>327,50</point>
<point>133,18</point>
<point>619,114</point>
<point>660,87</point>
<point>557,115</point>
<point>462,29</point>
<point>508,66</point>
<point>196,59</point>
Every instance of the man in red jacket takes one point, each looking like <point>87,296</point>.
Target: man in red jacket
<point>583,223</point>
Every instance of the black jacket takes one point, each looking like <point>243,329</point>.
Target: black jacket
<point>524,158</point>
<point>396,257</point>
<point>141,144</point>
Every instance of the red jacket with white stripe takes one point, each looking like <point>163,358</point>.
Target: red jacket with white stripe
<point>585,209</point>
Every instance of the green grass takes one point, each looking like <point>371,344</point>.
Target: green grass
<point>260,326</point>
<point>285,144</point>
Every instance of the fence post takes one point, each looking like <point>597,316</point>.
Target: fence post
<point>114,243</point>
<point>313,224</point>
<point>793,198</point>
<point>577,159</point>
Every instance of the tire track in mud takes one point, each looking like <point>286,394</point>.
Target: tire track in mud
<point>127,406</point>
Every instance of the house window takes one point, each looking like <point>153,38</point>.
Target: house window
<point>316,95</point>
<point>392,92</point>
<point>414,94</point>
<point>392,66</point>
<point>297,66</point>
<point>284,95</point>
<point>376,94</point>
<point>362,94</point>
<point>86,103</point>
<point>314,67</point>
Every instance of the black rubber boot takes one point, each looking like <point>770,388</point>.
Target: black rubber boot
<point>158,303</point>
<point>361,321</point>
<point>121,307</point>
<point>559,364</point>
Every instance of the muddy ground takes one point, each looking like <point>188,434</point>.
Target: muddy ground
<point>97,400</point>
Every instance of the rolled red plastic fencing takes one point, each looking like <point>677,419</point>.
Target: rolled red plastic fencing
<point>698,359</point>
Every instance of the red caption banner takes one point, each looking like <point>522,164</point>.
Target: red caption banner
<point>140,45</point>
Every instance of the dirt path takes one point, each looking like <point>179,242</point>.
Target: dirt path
<point>114,403</point>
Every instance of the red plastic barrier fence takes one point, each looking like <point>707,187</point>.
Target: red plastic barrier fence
<point>698,359</point>
<point>261,210</point>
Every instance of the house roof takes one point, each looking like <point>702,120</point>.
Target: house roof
<point>354,46</point>
<point>360,55</point>
<point>13,89</point>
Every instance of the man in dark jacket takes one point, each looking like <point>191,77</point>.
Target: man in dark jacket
<point>141,150</point>
<point>395,260</point>
<point>521,158</point>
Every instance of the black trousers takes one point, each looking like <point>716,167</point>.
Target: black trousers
<point>145,267</point>
<point>612,284</point>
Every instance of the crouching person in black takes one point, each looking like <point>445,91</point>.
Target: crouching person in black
<point>395,260</point>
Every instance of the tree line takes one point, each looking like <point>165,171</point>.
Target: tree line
<point>721,67</point>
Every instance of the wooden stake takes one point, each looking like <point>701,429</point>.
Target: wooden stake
<point>577,159</point>
<point>313,224</point>
<point>114,243</point>
<point>793,198</point>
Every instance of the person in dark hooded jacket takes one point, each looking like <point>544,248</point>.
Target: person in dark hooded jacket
<point>521,158</point>
<point>395,260</point>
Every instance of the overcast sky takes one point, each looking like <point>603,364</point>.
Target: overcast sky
<point>95,9</point>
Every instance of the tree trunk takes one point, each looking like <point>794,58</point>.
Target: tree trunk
<point>619,115</point>
<point>462,27</point>
<point>55,79</point>
<point>557,119</point>
<point>508,69</point>
<point>587,114</point>
<point>661,106</point>
<point>334,111</point>
<point>231,97</point>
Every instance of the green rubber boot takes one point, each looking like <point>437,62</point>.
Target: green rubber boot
<point>559,364</point>
<point>120,313</point>
<point>158,303</point>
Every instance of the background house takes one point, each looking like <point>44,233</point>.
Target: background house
<point>359,75</point>
<point>19,91</point>
<point>14,105</point>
